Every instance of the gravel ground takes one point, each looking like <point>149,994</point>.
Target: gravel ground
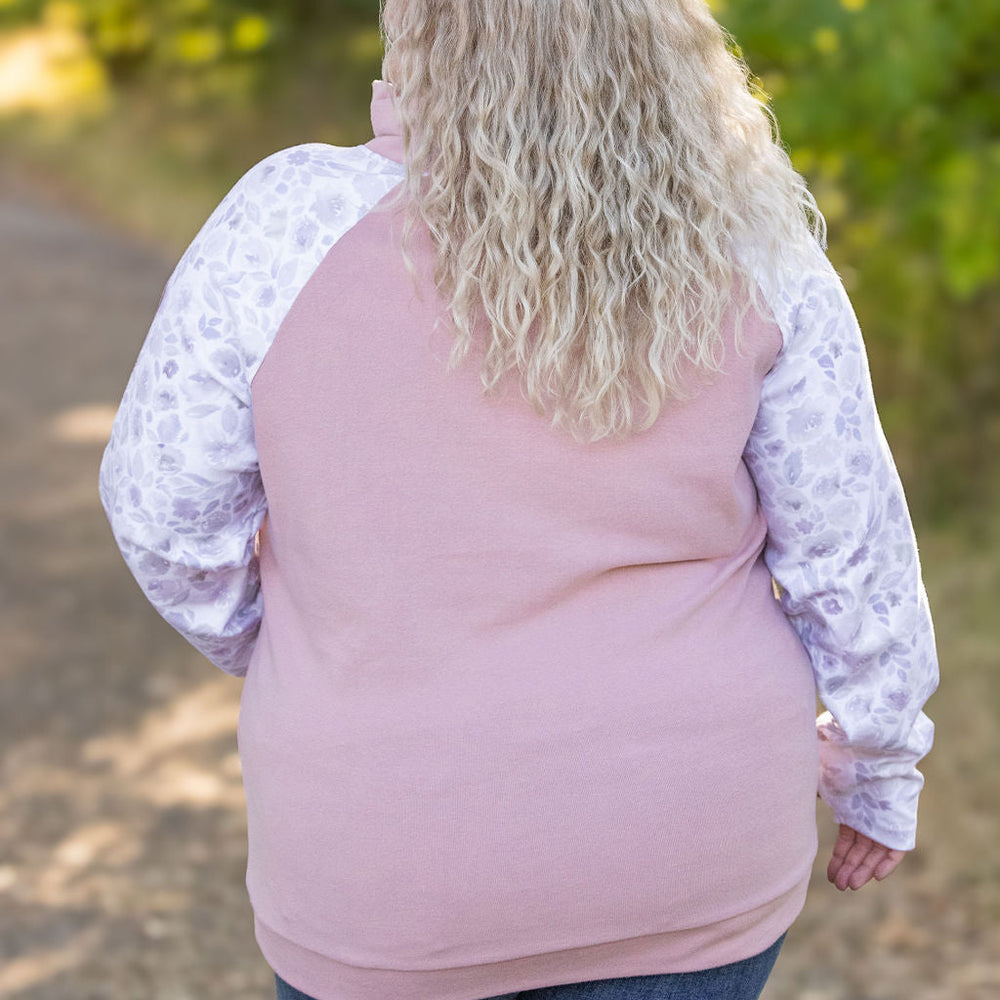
<point>122,832</point>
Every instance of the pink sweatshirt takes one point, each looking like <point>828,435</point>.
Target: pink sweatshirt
<point>517,711</point>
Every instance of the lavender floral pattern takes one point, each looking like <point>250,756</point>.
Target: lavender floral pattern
<point>179,479</point>
<point>841,546</point>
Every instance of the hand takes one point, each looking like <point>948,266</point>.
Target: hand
<point>857,859</point>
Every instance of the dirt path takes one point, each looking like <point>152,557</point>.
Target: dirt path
<point>122,837</point>
<point>121,828</point>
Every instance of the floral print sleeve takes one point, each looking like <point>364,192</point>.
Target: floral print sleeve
<point>841,547</point>
<point>179,479</point>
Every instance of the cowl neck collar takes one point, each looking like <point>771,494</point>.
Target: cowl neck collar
<point>386,126</point>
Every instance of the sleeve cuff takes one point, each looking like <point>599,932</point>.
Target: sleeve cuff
<point>864,796</point>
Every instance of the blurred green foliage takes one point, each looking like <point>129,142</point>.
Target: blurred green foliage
<point>891,112</point>
<point>194,51</point>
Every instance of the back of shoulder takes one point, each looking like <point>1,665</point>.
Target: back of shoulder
<point>801,287</point>
<point>308,165</point>
<point>242,272</point>
<point>285,213</point>
<point>317,179</point>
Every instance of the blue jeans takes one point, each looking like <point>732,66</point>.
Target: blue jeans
<point>736,981</point>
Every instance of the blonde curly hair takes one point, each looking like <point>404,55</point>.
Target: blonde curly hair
<point>587,170</point>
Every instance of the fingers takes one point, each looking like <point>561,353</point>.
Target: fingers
<point>844,844</point>
<point>888,864</point>
<point>857,859</point>
<point>849,851</point>
<point>869,856</point>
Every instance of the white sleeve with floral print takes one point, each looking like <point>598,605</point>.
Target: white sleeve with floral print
<point>841,547</point>
<point>179,479</point>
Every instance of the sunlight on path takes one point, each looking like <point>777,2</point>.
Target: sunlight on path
<point>83,424</point>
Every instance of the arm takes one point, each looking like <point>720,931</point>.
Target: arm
<point>841,546</point>
<point>179,479</point>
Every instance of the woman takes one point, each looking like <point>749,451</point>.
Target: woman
<point>473,450</point>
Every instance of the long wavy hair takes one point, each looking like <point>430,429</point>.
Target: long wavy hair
<point>588,170</point>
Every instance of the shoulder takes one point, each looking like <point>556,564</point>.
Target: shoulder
<point>291,170</point>
<point>800,287</point>
<point>293,203</point>
<point>240,275</point>
<point>298,179</point>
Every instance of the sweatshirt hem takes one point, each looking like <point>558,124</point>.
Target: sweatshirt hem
<point>734,939</point>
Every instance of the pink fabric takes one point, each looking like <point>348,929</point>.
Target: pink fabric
<point>522,711</point>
